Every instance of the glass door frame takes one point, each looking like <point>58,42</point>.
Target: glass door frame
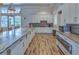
<point>3,29</point>
<point>9,21</point>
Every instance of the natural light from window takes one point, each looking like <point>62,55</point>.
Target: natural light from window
<point>9,21</point>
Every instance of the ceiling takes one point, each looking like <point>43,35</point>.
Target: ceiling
<point>33,8</point>
<point>40,7</point>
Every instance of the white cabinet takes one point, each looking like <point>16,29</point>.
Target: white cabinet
<point>43,30</point>
<point>73,13</point>
<point>20,47</point>
<point>77,13</point>
<point>74,45</point>
<point>30,36</point>
<point>70,13</point>
<point>17,48</point>
<point>25,43</point>
<point>66,13</point>
<point>4,53</point>
<point>46,17</point>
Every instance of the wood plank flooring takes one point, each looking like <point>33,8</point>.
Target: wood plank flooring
<point>43,44</point>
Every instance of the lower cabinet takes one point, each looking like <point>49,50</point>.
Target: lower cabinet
<point>67,45</point>
<point>43,29</point>
<point>25,43</point>
<point>4,53</point>
<point>30,36</point>
<point>18,50</point>
<point>19,47</point>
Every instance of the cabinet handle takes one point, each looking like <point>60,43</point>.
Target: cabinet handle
<point>9,52</point>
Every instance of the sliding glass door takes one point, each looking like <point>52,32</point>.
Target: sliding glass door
<point>8,20</point>
<point>17,21</point>
<point>14,22</point>
<point>11,22</point>
<point>4,23</point>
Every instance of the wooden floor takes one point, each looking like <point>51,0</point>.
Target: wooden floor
<point>43,44</point>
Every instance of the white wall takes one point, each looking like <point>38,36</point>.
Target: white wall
<point>70,14</point>
<point>37,18</point>
<point>27,17</point>
<point>34,14</point>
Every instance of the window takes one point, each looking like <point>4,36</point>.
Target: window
<point>4,10</point>
<point>18,21</point>
<point>11,21</point>
<point>4,21</point>
<point>17,10</point>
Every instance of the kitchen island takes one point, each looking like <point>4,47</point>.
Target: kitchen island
<point>15,41</point>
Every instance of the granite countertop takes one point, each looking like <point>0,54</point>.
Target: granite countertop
<point>71,36</point>
<point>7,38</point>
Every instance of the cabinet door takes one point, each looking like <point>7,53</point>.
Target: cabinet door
<point>25,43</point>
<point>70,12</point>
<point>30,37</point>
<point>4,53</point>
<point>77,12</point>
<point>73,13</point>
<point>18,50</point>
<point>66,13</point>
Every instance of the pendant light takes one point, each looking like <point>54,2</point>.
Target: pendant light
<point>11,9</point>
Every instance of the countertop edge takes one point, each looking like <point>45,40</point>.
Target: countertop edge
<point>68,37</point>
<point>4,49</point>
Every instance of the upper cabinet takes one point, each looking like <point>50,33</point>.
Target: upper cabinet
<point>73,13</point>
<point>77,12</point>
<point>70,13</point>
